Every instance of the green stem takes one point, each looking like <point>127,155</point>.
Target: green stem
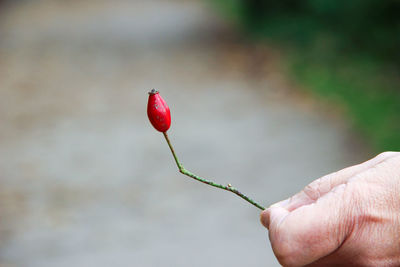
<point>229,187</point>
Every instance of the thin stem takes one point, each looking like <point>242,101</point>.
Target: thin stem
<point>229,187</point>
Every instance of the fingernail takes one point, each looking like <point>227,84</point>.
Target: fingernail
<point>264,218</point>
<point>283,203</point>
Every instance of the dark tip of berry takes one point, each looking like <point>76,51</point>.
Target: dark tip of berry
<point>153,92</point>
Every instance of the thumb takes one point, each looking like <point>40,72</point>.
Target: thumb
<point>312,231</point>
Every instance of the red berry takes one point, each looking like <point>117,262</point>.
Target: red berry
<point>158,112</point>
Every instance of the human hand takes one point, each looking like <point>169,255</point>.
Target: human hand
<point>347,218</point>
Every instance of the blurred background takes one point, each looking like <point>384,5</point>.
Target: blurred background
<point>266,95</point>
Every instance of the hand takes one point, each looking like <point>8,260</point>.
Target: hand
<point>347,218</point>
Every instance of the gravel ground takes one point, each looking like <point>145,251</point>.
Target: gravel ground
<point>85,180</point>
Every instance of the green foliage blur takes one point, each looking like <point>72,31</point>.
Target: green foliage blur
<point>347,52</point>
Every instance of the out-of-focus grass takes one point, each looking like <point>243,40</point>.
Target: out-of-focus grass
<point>369,95</point>
<point>328,56</point>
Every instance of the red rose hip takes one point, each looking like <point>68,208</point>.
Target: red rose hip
<point>160,117</point>
<point>158,112</point>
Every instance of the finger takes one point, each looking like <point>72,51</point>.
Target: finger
<point>312,231</point>
<point>323,185</point>
<point>274,215</point>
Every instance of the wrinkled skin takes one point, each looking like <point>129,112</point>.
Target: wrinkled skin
<point>347,218</point>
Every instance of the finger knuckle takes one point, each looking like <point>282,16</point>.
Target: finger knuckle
<point>312,190</point>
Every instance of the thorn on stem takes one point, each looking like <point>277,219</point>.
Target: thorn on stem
<point>229,185</point>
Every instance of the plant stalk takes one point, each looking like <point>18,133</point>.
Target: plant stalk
<point>228,187</point>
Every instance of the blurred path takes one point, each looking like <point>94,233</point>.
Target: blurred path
<point>85,180</point>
